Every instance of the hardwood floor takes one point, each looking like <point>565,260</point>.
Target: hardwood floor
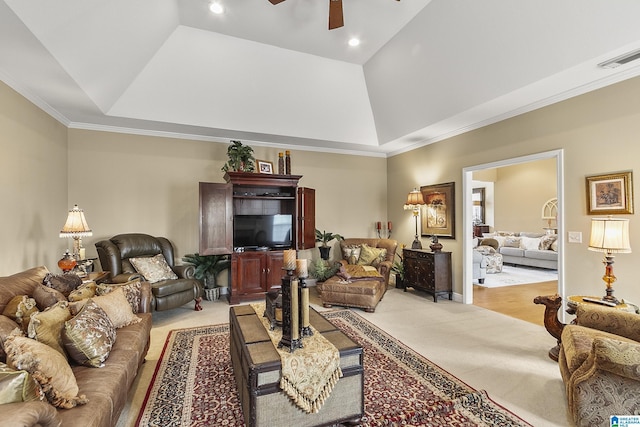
<point>515,301</point>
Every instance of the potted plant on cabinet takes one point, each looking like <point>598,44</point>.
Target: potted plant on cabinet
<point>240,158</point>
<point>207,269</point>
<point>325,237</point>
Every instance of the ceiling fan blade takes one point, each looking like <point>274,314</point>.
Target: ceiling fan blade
<point>336,19</point>
<point>276,1</point>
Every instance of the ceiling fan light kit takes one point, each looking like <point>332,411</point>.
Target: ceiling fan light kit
<point>336,17</point>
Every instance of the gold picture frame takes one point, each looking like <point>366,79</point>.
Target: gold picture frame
<point>438,212</point>
<point>610,193</point>
<point>265,167</point>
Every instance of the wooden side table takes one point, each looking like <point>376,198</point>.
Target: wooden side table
<point>575,300</point>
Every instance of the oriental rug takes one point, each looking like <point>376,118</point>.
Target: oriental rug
<point>193,384</point>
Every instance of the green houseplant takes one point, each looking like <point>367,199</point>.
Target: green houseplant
<point>325,237</point>
<point>398,269</point>
<point>207,269</point>
<point>322,270</point>
<point>240,158</point>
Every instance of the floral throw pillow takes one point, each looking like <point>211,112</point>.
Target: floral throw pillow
<point>89,336</point>
<point>154,269</point>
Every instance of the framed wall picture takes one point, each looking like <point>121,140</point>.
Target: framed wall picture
<point>438,212</point>
<point>610,194</point>
<point>265,167</point>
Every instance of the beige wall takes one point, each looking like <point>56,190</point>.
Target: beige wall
<point>598,132</point>
<point>131,183</point>
<point>33,185</point>
<point>520,192</point>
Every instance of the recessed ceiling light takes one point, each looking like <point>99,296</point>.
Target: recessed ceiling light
<point>354,42</point>
<point>216,8</point>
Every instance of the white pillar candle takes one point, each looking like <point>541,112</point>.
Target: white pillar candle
<point>305,307</point>
<point>295,325</point>
<point>301,268</point>
<point>290,259</point>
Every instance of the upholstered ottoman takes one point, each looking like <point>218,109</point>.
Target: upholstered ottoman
<point>363,294</point>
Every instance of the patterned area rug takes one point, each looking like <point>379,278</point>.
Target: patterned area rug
<point>519,276</point>
<point>194,385</point>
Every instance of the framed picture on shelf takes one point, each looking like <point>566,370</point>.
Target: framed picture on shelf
<point>610,194</point>
<point>265,167</point>
<point>438,212</point>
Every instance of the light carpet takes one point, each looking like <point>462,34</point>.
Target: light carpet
<point>193,384</point>
<point>518,276</point>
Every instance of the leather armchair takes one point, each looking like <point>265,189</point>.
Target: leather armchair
<point>599,361</point>
<point>114,255</point>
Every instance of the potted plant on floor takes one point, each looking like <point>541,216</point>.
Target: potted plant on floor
<point>240,158</point>
<point>322,270</point>
<point>325,237</point>
<point>398,269</point>
<point>207,269</point>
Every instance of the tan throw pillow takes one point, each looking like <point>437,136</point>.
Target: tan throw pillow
<point>86,291</point>
<point>371,256</point>
<point>19,309</point>
<point>18,386</point>
<point>47,326</point>
<point>351,253</point>
<point>64,283</point>
<point>117,307</point>
<point>512,242</point>
<point>132,291</point>
<point>154,269</point>
<point>48,367</point>
<point>89,336</point>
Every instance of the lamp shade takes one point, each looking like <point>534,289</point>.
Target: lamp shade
<point>76,225</point>
<point>610,235</point>
<point>414,199</point>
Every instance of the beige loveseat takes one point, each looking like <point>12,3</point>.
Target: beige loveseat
<point>105,387</point>
<point>360,292</point>
<point>599,362</point>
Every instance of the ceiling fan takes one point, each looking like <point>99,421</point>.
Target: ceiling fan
<point>336,18</point>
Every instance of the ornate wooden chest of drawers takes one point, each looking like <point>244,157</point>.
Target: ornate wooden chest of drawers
<point>428,271</point>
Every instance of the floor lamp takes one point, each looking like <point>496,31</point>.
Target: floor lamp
<point>414,200</point>
<point>609,235</point>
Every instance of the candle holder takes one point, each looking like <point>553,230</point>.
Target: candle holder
<point>305,325</point>
<point>290,313</point>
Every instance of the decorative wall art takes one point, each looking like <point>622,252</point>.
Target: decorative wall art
<point>265,166</point>
<point>610,194</point>
<point>438,212</point>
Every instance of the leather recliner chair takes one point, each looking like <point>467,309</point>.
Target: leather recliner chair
<point>114,257</point>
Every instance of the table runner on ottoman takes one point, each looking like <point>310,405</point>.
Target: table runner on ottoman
<point>309,374</point>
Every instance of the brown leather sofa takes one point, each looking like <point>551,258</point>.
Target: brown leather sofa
<point>363,294</point>
<point>105,388</point>
<point>599,362</point>
<point>114,257</point>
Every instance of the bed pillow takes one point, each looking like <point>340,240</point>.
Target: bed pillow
<point>48,367</point>
<point>89,336</point>
<point>154,269</point>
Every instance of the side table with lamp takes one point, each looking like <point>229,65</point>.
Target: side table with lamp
<point>76,227</point>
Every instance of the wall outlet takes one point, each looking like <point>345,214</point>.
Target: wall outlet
<point>575,236</point>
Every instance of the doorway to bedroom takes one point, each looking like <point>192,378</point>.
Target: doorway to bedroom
<point>513,194</point>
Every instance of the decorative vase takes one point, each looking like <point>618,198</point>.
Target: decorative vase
<point>67,262</point>
<point>212,294</point>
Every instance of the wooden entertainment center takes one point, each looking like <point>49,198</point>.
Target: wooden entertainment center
<point>254,270</point>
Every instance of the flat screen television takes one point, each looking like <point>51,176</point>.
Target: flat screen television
<point>262,231</point>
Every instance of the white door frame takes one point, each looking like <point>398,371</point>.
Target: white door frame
<point>467,217</point>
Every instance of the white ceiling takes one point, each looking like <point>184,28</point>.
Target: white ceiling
<point>275,75</point>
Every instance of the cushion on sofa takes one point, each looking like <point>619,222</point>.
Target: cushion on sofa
<point>89,336</point>
<point>544,255</point>
<point>19,309</point>
<point>512,242</point>
<point>64,283</point>
<point>48,367</point>
<point>546,241</point>
<point>21,283</point>
<point>46,326</point>
<point>371,256</point>
<point>351,253</point>
<point>529,243</point>
<point>85,291</point>
<point>117,307</point>
<point>154,269</point>
<point>17,386</point>
<point>46,296</point>
<point>132,291</point>
<point>512,251</point>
